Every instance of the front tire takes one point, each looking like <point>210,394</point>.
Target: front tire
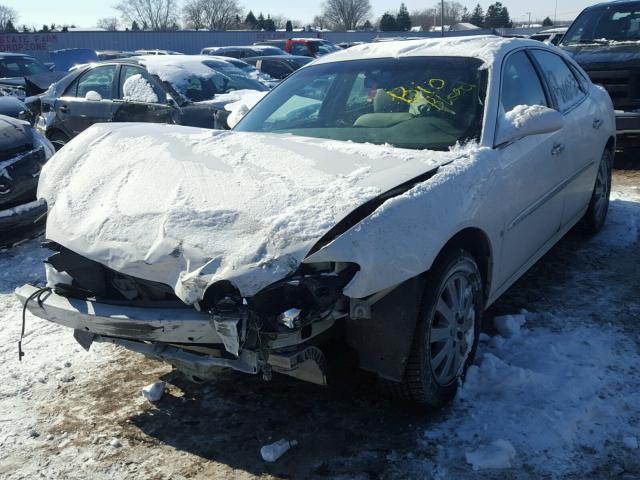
<point>599,205</point>
<point>447,331</point>
<point>58,140</point>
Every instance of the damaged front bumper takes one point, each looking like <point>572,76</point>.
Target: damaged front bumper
<point>196,343</point>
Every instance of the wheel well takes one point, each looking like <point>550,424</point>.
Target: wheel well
<point>611,143</point>
<point>476,242</point>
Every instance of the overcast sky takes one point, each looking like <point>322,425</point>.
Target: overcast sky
<point>38,12</point>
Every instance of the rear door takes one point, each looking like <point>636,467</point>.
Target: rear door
<point>533,171</point>
<point>88,100</point>
<point>141,98</point>
<point>581,122</point>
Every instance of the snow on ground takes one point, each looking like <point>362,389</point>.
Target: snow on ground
<point>553,392</point>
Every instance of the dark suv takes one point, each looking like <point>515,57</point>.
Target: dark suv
<point>604,41</point>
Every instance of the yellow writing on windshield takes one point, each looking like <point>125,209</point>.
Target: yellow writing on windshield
<point>431,93</point>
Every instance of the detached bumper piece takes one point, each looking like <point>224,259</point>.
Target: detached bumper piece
<point>196,343</point>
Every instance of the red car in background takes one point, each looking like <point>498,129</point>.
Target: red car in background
<point>308,47</point>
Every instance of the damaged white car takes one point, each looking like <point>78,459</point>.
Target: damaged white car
<point>381,198</point>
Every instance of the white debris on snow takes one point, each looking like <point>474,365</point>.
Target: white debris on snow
<point>509,325</point>
<point>153,392</point>
<point>630,442</point>
<point>273,451</point>
<point>498,454</point>
<point>137,88</point>
<point>188,207</point>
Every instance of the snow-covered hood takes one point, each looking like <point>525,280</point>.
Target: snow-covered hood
<point>189,207</point>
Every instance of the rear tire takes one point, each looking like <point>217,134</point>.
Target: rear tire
<point>58,140</point>
<point>596,214</point>
<point>447,331</point>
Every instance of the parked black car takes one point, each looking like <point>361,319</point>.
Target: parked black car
<point>604,41</point>
<point>278,66</point>
<point>243,51</point>
<point>22,75</point>
<point>23,152</point>
<point>181,89</point>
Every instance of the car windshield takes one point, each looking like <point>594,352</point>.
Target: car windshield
<point>615,22</point>
<point>224,78</point>
<point>417,102</point>
<point>20,67</point>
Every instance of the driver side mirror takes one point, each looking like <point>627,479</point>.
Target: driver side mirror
<point>93,96</point>
<point>526,120</point>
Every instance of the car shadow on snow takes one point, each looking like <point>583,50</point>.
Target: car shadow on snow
<point>341,429</point>
<point>351,427</point>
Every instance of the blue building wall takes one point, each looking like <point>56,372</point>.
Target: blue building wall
<point>190,42</point>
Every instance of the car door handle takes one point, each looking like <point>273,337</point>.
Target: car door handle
<point>597,123</point>
<point>64,108</point>
<point>557,149</point>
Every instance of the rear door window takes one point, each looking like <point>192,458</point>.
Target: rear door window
<point>562,82</point>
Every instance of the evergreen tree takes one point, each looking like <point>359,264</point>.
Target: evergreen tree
<point>403,20</point>
<point>388,23</point>
<point>477,16</point>
<point>366,26</point>
<point>135,27</point>
<point>497,16</point>
<point>10,28</point>
<point>45,29</point>
<point>53,27</point>
<point>65,29</point>
<point>289,26</point>
<point>250,21</point>
<point>269,24</point>
<point>547,22</point>
<point>260,22</point>
<point>25,29</point>
<point>465,16</point>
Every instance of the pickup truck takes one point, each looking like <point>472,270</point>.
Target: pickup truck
<point>604,41</point>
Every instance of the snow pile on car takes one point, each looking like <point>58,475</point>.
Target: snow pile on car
<point>137,88</point>
<point>485,47</point>
<point>188,207</point>
<point>241,105</point>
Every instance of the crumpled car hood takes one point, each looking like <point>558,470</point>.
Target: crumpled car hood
<point>189,207</point>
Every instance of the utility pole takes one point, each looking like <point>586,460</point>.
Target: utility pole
<point>529,24</point>
<point>442,18</point>
<point>555,13</point>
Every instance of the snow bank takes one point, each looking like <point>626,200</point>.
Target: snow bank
<point>509,325</point>
<point>138,89</point>
<point>188,207</point>
<point>551,393</point>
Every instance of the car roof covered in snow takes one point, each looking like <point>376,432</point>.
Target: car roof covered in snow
<point>488,48</point>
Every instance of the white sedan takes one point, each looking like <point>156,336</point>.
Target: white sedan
<point>379,199</point>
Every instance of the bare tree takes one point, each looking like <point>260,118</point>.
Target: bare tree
<point>108,23</point>
<point>8,16</point>
<point>154,14</point>
<point>212,14</point>
<point>346,14</point>
<point>430,17</point>
<point>194,15</point>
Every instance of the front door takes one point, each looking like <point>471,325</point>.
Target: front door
<point>533,170</point>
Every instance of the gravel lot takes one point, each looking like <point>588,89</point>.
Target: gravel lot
<point>65,413</point>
